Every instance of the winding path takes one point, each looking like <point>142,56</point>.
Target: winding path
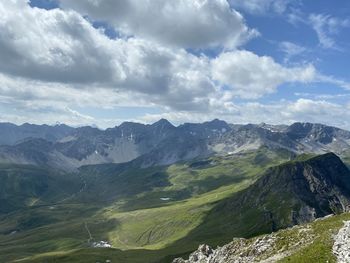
<point>88,230</point>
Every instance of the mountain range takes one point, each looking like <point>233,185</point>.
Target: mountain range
<point>160,143</point>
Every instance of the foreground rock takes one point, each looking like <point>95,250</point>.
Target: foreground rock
<point>267,248</point>
<point>341,247</point>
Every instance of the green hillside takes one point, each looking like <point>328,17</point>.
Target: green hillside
<point>24,186</point>
<point>149,209</point>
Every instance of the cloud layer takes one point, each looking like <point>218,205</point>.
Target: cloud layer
<point>185,58</point>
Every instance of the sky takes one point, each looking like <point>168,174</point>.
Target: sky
<point>102,62</point>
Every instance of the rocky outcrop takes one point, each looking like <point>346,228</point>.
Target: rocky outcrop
<point>341,247</point>
<point>262,249</point>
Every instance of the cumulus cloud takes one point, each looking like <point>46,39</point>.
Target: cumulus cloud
<point>252,76</point>
<point>51,45</point>
<point>182,23</point>
<point>61,46</point>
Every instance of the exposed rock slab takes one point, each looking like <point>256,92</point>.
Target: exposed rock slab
<point>341,247</point>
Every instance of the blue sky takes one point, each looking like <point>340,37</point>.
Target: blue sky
<point>244,61</point>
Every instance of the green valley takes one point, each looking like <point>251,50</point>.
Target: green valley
<point>145,212</point>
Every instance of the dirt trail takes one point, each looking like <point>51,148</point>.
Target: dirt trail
<point>88,230</point>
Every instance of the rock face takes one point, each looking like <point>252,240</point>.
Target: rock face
<point>312,188</point>
<point>341,247</point>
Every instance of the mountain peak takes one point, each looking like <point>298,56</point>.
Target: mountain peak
<point>163,123</point>
<point>130,124</point>
<point>217,124</point>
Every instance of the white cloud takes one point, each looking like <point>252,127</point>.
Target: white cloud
<point>326,27</point>
<point>251,76</point>
<point>262,6</point>
<point>181,23</point>
<point>282,112</point>
<point>61,46</point>
<point>52,45</point>
<point>335,81</point>
<point>295,16</point>
<point>291,49</point>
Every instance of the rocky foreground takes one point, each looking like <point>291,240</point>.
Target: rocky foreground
<point>341,247</point>
<point>273,247</point>
<point>268,248</point>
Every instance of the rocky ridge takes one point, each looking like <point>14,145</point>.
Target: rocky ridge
<point>268,248</point>
<point>293,193</point>
<point>282,245</point>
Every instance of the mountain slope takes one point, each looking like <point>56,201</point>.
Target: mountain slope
<point>22,186</point>
<point>289,194</point>
<point>131,208</point>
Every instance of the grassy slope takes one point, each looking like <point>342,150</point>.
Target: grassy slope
<point>319,241</point>
<point>320,249</point>
<point>309,243</point>
<point>25,185</point>
<point>136,221</point>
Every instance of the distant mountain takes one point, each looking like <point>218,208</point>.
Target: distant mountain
<point>160,143</point>
<point>11,133</point>
<point>296,192</point>
<point>298,137</point>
